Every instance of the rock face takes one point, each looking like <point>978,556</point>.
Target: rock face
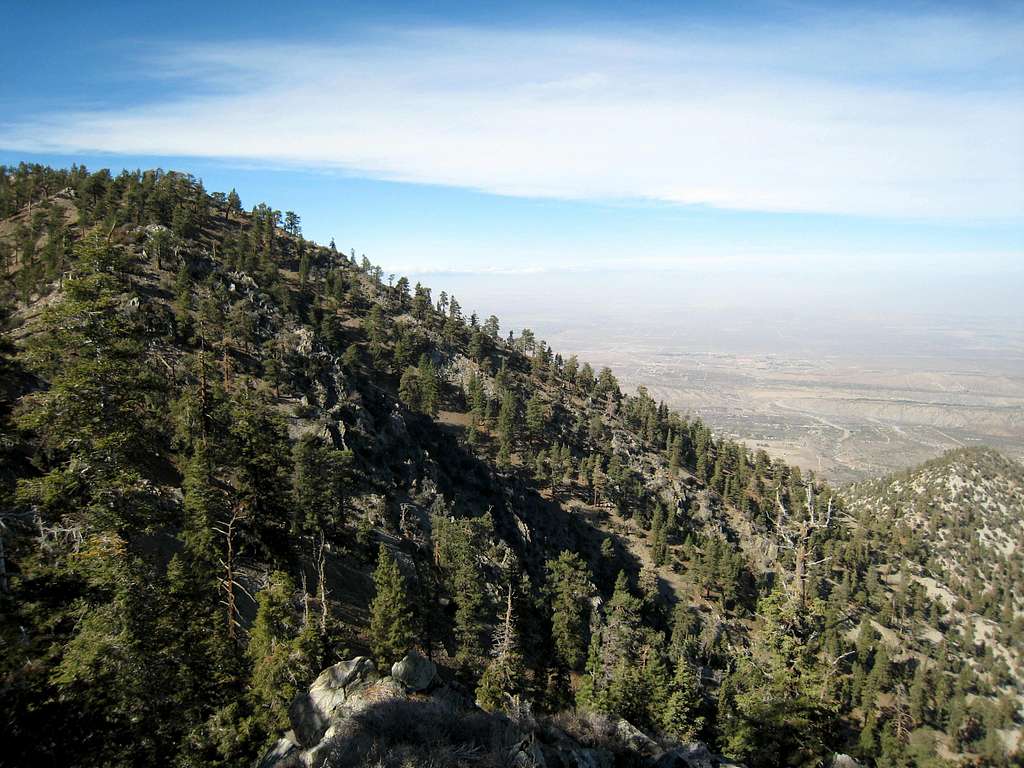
<point>844,761</point>
<point>637,740</point>
<point>310,713</point>
<point>694,755</point>
<point>351,702</point>
<point>284,754</point>
<point>415,672</point>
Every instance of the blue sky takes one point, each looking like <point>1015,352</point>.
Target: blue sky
<point>746,139</point>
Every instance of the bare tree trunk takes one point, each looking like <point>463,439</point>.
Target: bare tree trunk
<point>797,538</point>
<point>321,571</point>
<point>229,580</point>
<point>228,584</point>
<point>202,393</point>
<point>305,600</point>
<point>799,576</point>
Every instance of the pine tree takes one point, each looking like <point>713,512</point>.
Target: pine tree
<point>502,681</point>
<point>675,457</point>
<point>867,741</point>
<point>204,507</point>
<point>278,649</point>
<point>569,582</point>
<point>536,417</point>
<point>504,458</point>
<point>457,543</point>
<point>258,452</point>
<point>376,331</point>
<point>919,695</point>
<point>97,421</point>
<point>681,718</point>
<point>598,479</point>
<point>590,693</point>
<point>585,379</point>
<point>659,544</point>
<point>183,291</point>
<point>477,346</point>
<point>626,695</point>
<point>319,485</point>
<point>572,367</point>
<point>541,470</point>
<point>391,629</point>
<point>622,623</point>
<point>507,419</point>
<point>234,204</point>
<point>430,387</point>
<point>779,692</point>
<point>877,680</point>
<point>409,391</point>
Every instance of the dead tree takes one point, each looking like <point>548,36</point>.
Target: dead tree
<point>305,599</point>
<point>203,404</point>
<point>229,529</point>
<point>902,721</point>
<point>321,572</point>
<point>795,536</point>
<point>832,667</point>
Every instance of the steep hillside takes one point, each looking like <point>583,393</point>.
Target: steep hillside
<point>956,525</point>
<point>967,510</point>
<point>234,457</point>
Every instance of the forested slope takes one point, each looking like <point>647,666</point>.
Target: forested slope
<point>233,456</point>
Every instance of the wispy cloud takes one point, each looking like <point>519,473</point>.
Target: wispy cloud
<point>884,116</point>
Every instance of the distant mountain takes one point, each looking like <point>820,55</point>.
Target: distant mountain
<point>234,458</point>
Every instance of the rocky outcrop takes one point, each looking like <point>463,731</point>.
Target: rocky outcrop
<point>415,672</point>
<point>839,760</point>
<point>284,754</point>
<point>310,713</point>
<point>694,755</point>
<point>635,739</point>
<point>351,705</point>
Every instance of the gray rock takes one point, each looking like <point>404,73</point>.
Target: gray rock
<point>569,754</point>
<point>284,754</point>
<point>527,755</point>
<point>308,722</point>
<point>318,756</point>
<point>415,672</point>
<point>695,755</point>
<point>839,760</point>
<point>634,738</point>
<point>310,713</point>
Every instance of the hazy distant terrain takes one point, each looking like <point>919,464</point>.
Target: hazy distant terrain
<point>853,398</point>
<point>846,420</point>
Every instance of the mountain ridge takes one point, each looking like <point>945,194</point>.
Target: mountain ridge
<point>294,396</point>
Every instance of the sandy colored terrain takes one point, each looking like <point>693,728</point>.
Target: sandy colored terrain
<point>847,419</point>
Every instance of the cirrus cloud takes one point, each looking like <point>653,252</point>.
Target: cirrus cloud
<point>894,117</point>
